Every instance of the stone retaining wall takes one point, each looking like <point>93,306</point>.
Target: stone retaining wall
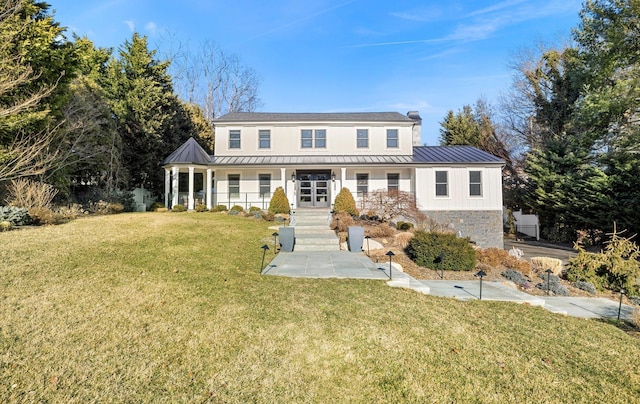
<point>483,227</point>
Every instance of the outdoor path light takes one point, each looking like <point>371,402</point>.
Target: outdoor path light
<point>367,237</point>
<point>622,291</point>
<point>275,245</point>
<point>481,274</point>
<point>264,252</point>
<point>390,254</point>
<point>438,260</point>
<point>548,271</point>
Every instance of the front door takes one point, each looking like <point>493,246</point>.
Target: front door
<point>313,189</point>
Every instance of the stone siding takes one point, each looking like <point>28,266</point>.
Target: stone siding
<point>483,227</point>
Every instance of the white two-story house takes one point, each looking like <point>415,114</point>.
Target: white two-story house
<point>313,155</point>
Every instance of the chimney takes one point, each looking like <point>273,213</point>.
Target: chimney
<point>417,124</point>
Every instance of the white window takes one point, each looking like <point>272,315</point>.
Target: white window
<point>265,185</point>
<point>362,138</point>
<point>442,186</point>
<point>234,185</point>
<point>264,139</point>
<point>393,182</point>
<point>392,138</point>
<point>475,183</point>
<point>234,139</point>
<point>363,184</point>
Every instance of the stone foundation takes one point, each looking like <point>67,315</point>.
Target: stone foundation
<point>482,227</point>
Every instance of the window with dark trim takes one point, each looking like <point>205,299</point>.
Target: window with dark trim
<point>265,185</point>
<point>393,182</point>
<point>475,183</point>
<point>442,185</point>
<point>234,139</point>
<point>234,185</point>
<point>362,138</point>
<point>264,139</point>
<point>392,138</point>
<point>363,184</point>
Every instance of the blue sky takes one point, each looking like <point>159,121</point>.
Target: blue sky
<point>346,55</point>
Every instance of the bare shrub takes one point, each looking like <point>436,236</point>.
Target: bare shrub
<point>391,204</point>
<point>403,239</point>
<point>497,257</point>
<point>69,212</point>
<point>635,317</point>
<point>342,221</point>
<point>28,194</point>
<point>541,264</point>
<point>381,230</point>
<point>43,216</point>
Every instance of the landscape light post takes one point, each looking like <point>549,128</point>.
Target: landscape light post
<point>622,291</point>
<point>481,274</point>
<point>390,254</point>
<point>548,271</point>
<point>438,260</point>
<point>275,245</point>
<point>264,252</point>
<point>367,237</point>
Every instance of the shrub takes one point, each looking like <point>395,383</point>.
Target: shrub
<point>345,203</point>
<point>42,216</point>
<point>279,202</point>
<point>517,264</point>
<point>555,286</point>
<point>635,317</point>
<point>515,276</point>
<point>425,247</point>
<point>201,207</point>
<point>155,206</point>
<point>179,208</point>
<point>254,209</point>
<point>14,215</point>
<point>5,225</point>
<point>381,230</point>
<point>219,208</point>
<point>69,212</point>
<point>237,209</point>
<point>541,264</point>
<point>496,257</point>
<point>615,267</point>
<point>404,226</point>
<point>30,194</point>
<point>403,239</point>
<point>586,286</point>
<point>106,208</point>
<point>268,216</point>
<point>341,222</point>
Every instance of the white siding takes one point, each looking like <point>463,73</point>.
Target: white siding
<point>458,183</point>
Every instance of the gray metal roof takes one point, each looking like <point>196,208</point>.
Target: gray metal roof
<point>189,153</point>
<point>313,117</point>
<point>453,155</point>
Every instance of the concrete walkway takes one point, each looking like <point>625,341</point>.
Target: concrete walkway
<point>344,264</point>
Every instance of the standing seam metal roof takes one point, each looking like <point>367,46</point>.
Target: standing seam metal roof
<point>313,117</point>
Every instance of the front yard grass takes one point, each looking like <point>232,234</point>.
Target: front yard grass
<point>170,307</point>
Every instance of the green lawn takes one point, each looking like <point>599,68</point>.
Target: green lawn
<point>170,307</point>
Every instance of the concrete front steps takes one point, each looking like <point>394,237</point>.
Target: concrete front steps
<point>312,231</point>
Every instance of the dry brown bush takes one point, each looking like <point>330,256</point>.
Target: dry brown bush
<point>342,221</point>
<point>28,194</point>
<point>635,317</point>
<point>69,212</point>
<point>381,230</point>
<point>496,257</point>
<point>517,264</point>
<point>403,238</point>
<point>43,216</point>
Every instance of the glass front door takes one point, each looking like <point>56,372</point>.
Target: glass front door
<point>313,189</point>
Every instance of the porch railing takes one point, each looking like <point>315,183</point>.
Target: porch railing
<point>244,199</point>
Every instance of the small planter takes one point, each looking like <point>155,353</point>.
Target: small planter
<point>355,238</point>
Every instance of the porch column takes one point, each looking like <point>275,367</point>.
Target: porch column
<point>190,198</point>
<point>208,186</point>
<point>175,172</point>
<point>343,177</point>
<point>283,177</point>
<point>167,186</point>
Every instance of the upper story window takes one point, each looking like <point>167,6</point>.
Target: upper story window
<point>321,139</point>
<point>310,138</point>
<point>392,138</point>
<point>362,138</point>
<point>475,183</point>
<point>234,139</point>
<point>393,182</point>
<point>442,184</point>
<point>264,139</point>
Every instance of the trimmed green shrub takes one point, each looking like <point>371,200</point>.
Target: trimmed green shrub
<point>237,208</point>
<point>201,208</point>
<point>404,226</point>
<point>219,208</point>
<point>156,205</point>
<point>179,208</point>
<point>14,215</point>
<point>345,203</point>
<point>254,209</point>
<point>279,202</point>
<point>425,247</point>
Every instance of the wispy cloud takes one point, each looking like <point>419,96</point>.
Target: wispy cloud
<point>424,14</point>
<point>496,7</point>
<point>131,25</point>
<point>151,27</point>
